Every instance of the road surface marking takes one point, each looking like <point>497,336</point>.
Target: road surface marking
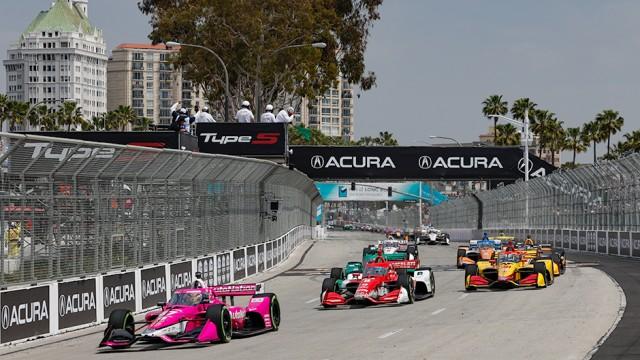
<point>312,300</point>
<point>391,333</point>
<point>438,311</point>
<point>463,296</point>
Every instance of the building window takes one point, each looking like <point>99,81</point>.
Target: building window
<point>137,66</point>
<point>150,112</point>
<point>138,56</point>
<point>137,75</point>
<point>137,94</point>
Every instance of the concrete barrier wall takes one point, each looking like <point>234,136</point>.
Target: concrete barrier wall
<point>57,307</point>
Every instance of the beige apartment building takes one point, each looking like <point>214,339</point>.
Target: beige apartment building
<point>142,76</point>
<point>332,113</point>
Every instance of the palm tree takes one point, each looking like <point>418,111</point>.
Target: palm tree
<point>124,116</point>
<point>540,123</point>
<point>555,137</point>
<point>4,100</point>
<point>141,124</point>
<point>366,141</point>
<point>507,135</point>
<point>69,114</point>
<point>575,143</point>
<point>16,111</point>
<point>610,123</point>
<point>591,134</point>
<point>494,105</point>
<point>520,106</point>
<point>37,116</point>
<point>386,139</point>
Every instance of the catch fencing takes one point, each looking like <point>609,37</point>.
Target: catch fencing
<point>72,208</point>
<point>584,203</point>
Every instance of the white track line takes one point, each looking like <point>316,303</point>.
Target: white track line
<point>438,311</point>
<point>311,300</point>
<point>463,296</point>
<point>391,333</point>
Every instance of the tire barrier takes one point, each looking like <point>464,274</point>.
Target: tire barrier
<point>57,307</point>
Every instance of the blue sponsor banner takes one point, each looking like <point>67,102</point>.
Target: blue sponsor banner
<point>319,214</point>
<point>402,191</point>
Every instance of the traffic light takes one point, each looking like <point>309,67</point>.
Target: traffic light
<point>389,191</point>
<point>353,186</point>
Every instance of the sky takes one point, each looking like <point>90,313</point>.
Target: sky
<point>436,61</point>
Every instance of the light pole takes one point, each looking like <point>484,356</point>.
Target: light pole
<point>224,66</point>
<point>26,117</point>
<point>525,125</point>
<point>445,138</point>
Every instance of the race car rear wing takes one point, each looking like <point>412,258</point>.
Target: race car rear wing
<point>237,289</point>
<point>405,264</point>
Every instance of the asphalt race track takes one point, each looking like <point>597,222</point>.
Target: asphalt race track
<point>624,341</point>
<point>564,321</point>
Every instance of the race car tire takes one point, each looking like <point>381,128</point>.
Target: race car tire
<point>469,270</point>
<point>274,309</point>
<point>220,316</point>
<point>433,284</point>
<point>406,283</point>
<point>328,284</point>
<point>461,254</point>
<point>336,273</point>
<point>540,268</point>
<point>120,319</point>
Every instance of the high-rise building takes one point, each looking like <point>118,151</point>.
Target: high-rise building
<point>60,56</point>
<point>143,77</point>
<point>332,113</point>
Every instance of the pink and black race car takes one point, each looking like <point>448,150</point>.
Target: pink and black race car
<point>199,315</point>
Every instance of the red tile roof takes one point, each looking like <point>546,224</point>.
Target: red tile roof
<point>146,46</point>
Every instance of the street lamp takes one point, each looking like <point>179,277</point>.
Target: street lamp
<point>224,66</point>
<point>525,125</point>
<point>26,117</point>
<point>316,45</point>
<point>445,138</point>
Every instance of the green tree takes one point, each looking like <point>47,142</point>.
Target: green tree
<point>555,138</point>
<point>122,116</point>
<point>386,138</point>
<point>141,124</point>
<point>366,141</point>
<point>16,112</point>
<point>253,39</point>
<point>4,102</point>
<point>575,143</point>
<point>494,105</point>
<point>520,106</point>
<point>38,116</point>
<point>610,122</point>
<point>507,135</point>
<point>591,134</point>
<point>540,123</point>
<point>69,115</point>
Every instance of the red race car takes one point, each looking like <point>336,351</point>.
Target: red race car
<point>383,282</point>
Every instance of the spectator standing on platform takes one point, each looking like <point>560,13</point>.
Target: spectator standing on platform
<point>268,117</point>
<point>203,116</point>
<point>285,115</point>
<point>244,115</point>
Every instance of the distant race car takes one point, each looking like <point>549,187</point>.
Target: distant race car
<point>434,237</point>
<point>392,250</point>
<point>382,282</point>
<point>348,227</point>
<point>512,268</point>
<point>198,315</point>
<point>477,250</point>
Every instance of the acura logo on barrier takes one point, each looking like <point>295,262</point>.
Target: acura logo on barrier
<point>425,162</point>
<point>5,317</point>
<point>521,166</point>
<point>317,162</point>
